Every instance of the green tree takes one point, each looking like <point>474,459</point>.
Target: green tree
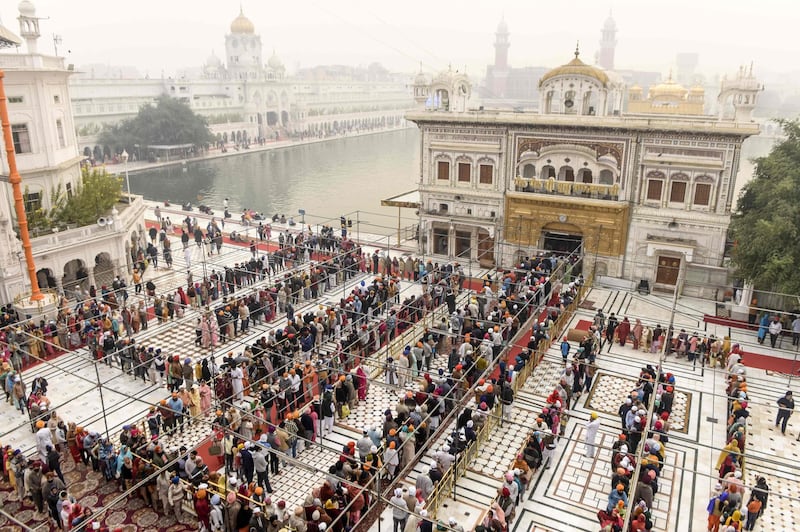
<point>169,122</point>
<point>766,226</point>
<point>94,197</point>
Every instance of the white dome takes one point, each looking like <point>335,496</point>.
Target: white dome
<point>26,8</point>
<point>275,62</point>
<point>213,61</point>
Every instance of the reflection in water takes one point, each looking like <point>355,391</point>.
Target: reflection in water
<point>327,179</point>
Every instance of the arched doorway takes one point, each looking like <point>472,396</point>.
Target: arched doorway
<point>606,177</point>
<point>528,171</point>
<point>75,274</point>
<point>585,175</point>
<point>548,172</point>
<point>272,118</point>
<point>562,238</point>
<point>103,269</point>
<point>284,117</point>
<point>45,278</point>
<point>566,173</point>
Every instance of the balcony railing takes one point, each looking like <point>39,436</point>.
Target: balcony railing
<point>567,188</point>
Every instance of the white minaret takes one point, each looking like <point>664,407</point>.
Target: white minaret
<point>742,91</point>
<point>29,25</point>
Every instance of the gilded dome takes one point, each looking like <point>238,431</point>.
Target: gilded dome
<point>635,88</point>
<point>242,24</point>
<point>576,67</point>
<point>668,89</point>
<point>697,89</point>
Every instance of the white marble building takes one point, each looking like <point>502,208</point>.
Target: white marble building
<point>46,152</point>
<point>242,95</point>
<point>645,195</point>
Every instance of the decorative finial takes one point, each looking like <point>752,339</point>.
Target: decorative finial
<point>669,80</point>
<point>751,69</point>
<point>420,67</point>
<point>241,9</point>
<point>577,49</point>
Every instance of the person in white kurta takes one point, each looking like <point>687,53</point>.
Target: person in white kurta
<point>591,434</point>
<point>236,382</point>
<point>43,439</point>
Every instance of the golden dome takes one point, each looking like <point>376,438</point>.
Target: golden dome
<point>576,67</point>
<point>242,24</point>
<point>697,89</point>
<point>635,88</point>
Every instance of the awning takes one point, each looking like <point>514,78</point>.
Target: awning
<point>408,200</point>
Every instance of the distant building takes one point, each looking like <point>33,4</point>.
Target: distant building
<point>644,195</point>
<point>245,95</point>
<point>46,151</point>
<point>608,44</point>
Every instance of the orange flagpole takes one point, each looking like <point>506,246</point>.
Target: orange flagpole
<point>15,180</point>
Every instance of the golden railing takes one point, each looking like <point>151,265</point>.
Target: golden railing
<point>566,188</point>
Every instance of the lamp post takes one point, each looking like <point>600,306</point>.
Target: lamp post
<point>124,156</point>
<point>302,213</point>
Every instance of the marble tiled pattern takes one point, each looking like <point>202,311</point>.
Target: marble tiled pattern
<point>587,481</point>
<point>544,378</point>
<point>503,444</point>
<point>610,391</point>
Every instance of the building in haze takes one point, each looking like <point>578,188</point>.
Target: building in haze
<point>245,94</point>
<point>46,152</point>
<point>644,193</point>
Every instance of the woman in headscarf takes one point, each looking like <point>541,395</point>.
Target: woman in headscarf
<point>363,383</point>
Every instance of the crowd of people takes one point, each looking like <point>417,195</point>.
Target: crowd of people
<point>730,507</point>
<point>276,397</point>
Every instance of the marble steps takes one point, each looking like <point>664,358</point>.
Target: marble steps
<point>476,489</point>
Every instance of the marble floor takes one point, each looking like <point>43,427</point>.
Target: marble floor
<point>568,496</point>
<point>565,497</point>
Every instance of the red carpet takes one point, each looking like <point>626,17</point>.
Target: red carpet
<point>93,491</point>
<point>583,325</point>
<point>770,363</point>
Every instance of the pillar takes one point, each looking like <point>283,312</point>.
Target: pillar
<point>59,285</point>
<point>92,282</point>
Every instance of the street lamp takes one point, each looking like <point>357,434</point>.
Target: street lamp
<point>302,213</point>
<point>124,156</point>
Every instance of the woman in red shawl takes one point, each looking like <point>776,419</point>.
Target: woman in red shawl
<point>623,330</point>
<point>363,384</point>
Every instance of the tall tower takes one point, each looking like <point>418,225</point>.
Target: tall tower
<point>501,44</point>
<point>29,25</point>
<point>741,92</point>
<point>608,43</point>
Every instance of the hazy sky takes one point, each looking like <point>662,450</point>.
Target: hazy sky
<point>171,34</point>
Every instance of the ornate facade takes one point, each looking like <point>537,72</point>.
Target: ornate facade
<point>644,196</point>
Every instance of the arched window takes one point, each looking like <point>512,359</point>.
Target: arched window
<point>548,172</point>
<point>702,191</point>
<point>606,177</point>
<point>585,175</point>
<point>566,173</point>
<point>569,102</point>
<point>677,188</point>
<point>529,171</point>
<point>655,185</point>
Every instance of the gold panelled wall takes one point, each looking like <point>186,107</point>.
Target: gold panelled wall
<point>527,215</point>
